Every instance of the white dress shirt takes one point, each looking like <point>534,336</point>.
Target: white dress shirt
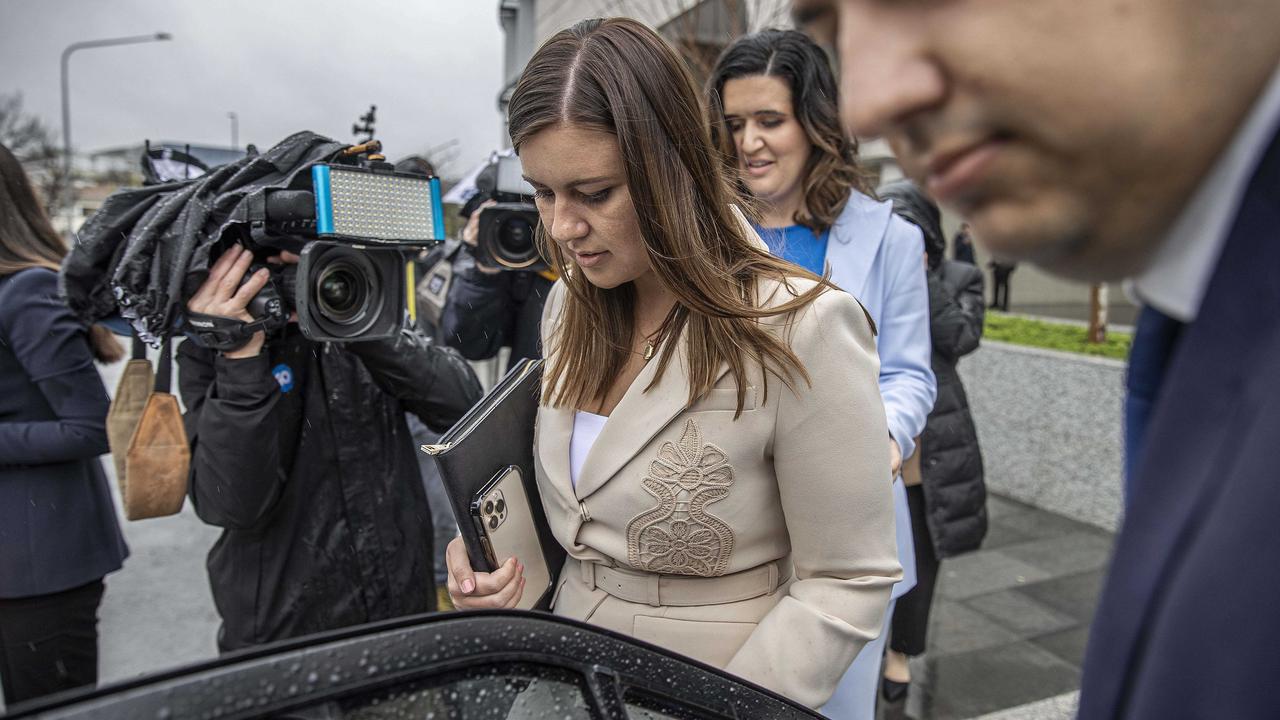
<point>1178,276</point>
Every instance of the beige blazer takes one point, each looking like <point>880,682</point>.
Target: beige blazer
<point>688,490</point>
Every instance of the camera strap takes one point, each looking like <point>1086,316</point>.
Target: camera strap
<point>226,334</point>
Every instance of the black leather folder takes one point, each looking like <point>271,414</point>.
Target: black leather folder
<point>495,434</point>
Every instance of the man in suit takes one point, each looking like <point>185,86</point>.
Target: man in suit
<point>1106,140</point>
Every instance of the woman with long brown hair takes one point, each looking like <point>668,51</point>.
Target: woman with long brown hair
<point>772,98</point>
<point>710,444</point>
<point>59,535</point>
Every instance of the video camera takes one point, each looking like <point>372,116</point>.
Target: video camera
<point>506,237</point>
<point>355,223</point>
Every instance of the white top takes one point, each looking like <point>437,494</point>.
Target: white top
<point>1179,274</point>
<point>586,428</point>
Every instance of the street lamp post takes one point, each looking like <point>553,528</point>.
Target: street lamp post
<point>235,129</point>
<point>66,102</point>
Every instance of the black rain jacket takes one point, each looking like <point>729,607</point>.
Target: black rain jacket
<point>955,494</point>
<point>303,456</point>
<point>488,311</point>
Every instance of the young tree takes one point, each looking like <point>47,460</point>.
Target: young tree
<point>32,142</point>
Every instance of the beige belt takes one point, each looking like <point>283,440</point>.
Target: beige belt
<point>685,590</point>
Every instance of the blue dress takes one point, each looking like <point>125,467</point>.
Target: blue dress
<point>797,244</point>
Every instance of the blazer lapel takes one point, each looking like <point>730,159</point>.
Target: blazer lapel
<point>638,417</point>
<point>857,236</point>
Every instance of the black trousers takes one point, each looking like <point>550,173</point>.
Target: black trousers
<point>49,643</point>
<point>910,628</point>
<point>1000,295</point>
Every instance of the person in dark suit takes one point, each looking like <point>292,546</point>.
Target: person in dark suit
<point>962,246</point>
<point>1105,140</point>
<point>59,535</point>
<point>1000,272</point>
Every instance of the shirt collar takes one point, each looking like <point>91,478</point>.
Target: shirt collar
<point>1176,279</point>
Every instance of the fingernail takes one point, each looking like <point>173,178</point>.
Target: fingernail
<point>468,586</point>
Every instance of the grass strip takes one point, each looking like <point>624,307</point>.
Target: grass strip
<point>1054,336</point>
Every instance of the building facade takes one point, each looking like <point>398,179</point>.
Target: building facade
<point>700,29</point>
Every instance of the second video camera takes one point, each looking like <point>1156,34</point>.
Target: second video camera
<point>507,236</point>
<point>355,227</point>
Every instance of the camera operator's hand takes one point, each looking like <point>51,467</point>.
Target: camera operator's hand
<point>222,294</point>
<point>471,236</point>
<point>470,590</point>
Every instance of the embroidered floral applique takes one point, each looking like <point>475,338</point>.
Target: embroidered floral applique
<point>679,535</point>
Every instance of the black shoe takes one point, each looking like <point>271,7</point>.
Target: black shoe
<point>893,691</point>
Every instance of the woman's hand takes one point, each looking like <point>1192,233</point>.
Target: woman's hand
<point>470,590</point>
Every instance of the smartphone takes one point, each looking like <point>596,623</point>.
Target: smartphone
<point>504,521</point>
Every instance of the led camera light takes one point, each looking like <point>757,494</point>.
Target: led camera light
<point>380,207</point>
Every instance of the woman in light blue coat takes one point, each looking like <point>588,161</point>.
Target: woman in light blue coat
<point>773,107</point>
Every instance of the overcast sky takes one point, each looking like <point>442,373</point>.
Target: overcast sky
<point>433,68</point>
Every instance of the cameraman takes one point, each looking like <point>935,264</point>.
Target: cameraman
<point>301,453</point>
<point>487,307</point>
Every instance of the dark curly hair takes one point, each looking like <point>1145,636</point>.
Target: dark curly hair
<point>791,56</point>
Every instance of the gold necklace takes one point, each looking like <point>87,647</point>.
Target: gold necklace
<point>651,341</point>
<point>649,347</point>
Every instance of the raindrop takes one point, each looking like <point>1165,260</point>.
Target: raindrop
<point>164,713</point>
<point>312,677</point>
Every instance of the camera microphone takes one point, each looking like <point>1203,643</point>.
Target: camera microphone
<point>285,206</point>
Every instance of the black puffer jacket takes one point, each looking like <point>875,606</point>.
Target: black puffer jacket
<point>302,455</point>
<point>951,461</point>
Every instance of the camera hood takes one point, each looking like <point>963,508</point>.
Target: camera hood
<point>147,249</point>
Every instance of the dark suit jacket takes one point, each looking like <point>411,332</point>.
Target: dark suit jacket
<point>58,526</point>
<point>1188,625</point>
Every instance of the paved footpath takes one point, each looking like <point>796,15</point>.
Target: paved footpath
<point>1009,622</point>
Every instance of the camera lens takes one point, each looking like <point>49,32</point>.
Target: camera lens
<point>514,246</point>
<point>342,291</point>
<point>493,522</point>
<point>349,290</point>
<point>502,506</point>
<point>488,508</point>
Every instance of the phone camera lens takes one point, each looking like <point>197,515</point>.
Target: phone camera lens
<point>488,507</point>
<point>502,506</point>
<point>493,522</point>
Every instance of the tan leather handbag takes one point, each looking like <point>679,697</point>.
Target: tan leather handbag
<point>148,440</point>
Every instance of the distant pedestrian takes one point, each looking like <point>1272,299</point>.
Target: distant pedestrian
<point>945,487</point>
<point>1000,272</point>
<point>962,246</point>
<point>59,535</point>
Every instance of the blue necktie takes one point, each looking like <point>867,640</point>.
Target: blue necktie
<point>1153,342</point>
